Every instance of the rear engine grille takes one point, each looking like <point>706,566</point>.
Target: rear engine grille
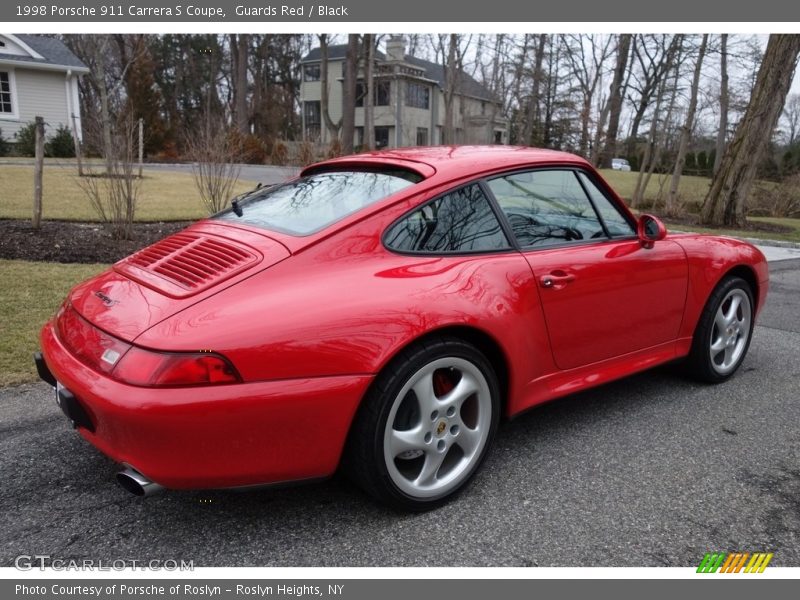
<point>190,261</point>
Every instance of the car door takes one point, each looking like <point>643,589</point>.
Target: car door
<point>602,292</point>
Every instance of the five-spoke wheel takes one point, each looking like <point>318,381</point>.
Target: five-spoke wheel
<point>723,332</point>
<point>425,425</point>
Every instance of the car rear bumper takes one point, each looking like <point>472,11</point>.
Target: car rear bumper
<point>214,436</point>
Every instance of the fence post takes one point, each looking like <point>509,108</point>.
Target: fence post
<point>77,142</point>
<point>141,145</point>
<point>37,174</point>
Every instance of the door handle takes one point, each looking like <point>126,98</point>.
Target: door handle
<point>556,279</point>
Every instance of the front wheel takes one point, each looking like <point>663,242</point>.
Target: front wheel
<point>723,333</point>
<point>425,425</point>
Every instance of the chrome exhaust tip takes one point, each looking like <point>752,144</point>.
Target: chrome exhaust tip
<point>137,484</point>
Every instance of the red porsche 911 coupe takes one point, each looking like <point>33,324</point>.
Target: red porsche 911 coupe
<point>382,312</point>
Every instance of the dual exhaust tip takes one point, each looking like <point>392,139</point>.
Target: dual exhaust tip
<point>137,484</point>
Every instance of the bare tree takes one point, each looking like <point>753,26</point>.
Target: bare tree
<point>215,169</point>
<point>792,114</point>
<point>587,55</point>
<point>724,101</point>
<point>239,58</point>
<point>686,131</point>
<point>114,193</point>
<point>349,93</point>
<point>653,56</point>
<point>534,110</point>
<point>369,98</point>
<point>332,127</point>
<point>616,94</point>
<point>725,202</point>
<point>658,124</point>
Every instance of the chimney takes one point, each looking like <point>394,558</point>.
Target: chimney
<point>396,48</point>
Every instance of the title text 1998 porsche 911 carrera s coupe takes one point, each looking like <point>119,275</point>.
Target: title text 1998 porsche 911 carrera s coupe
<point>381,312</point>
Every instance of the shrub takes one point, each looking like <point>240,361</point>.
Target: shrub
<point>4,146</point>
<point>61,145</point>
<point>252,149</point>
<point>25,140</point>
<point>781,200</point>
<point>307,154</point>
<point>280,153</point>
<point>335,149</point>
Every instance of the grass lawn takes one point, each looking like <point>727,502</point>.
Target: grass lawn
<point>165,196</point>
<point>789,236</point>
<point>692,189</point>
<point>31,293</point>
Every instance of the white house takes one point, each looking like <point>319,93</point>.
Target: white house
<point>408,100</point>
<point>38,77</point>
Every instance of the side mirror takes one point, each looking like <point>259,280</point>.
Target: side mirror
<point>650,230</point>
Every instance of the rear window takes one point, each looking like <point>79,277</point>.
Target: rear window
<point>316,201</point>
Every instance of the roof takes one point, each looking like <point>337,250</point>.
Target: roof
<point>455,161</point>
<point>466,85</point>
<point>53,52</point>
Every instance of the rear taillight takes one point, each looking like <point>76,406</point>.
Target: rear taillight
<point>158,369</point>
<point>89,344</point>
<point>137,366</point>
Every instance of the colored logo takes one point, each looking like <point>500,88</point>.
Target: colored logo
<point>734,562</point>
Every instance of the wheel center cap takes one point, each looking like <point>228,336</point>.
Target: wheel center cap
<point>441,427</point>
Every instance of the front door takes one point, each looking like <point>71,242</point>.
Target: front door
<point>603,294</point>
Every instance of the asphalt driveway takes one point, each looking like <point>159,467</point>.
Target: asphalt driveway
<point>654,470</point>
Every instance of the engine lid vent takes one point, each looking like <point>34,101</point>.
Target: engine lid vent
<point>186,263</point>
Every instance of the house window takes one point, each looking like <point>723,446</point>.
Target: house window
<point>422,136</point>
<point>418,95</point>
<point>383,93</point>
<point>382,137</point>
<point>313,120</point>
<point>5,93</point>
<point>311,72</point>
<point>498,137</point>
<point>380,92</point>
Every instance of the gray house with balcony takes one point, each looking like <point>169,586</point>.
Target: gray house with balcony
<point>408,101</point>
<point>38,77</point>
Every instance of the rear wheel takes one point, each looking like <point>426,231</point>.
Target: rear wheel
<point>723,333</point>
<point>425,425</point>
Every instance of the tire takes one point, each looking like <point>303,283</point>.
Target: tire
<point>723,332</point>
<point>425,425</point>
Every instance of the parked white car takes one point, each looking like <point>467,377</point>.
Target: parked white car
<point>620,164</point>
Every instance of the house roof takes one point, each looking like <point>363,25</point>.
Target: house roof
<point>54,54</point>
<point>466,84</point>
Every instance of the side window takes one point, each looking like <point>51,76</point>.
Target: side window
<point>546,208</point>
<point>460,221</point>
<point>616,223</point>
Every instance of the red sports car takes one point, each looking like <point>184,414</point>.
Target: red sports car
<point>381,313</point>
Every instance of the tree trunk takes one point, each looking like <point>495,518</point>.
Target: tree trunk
<point>616,92</point>
<point>448,131</point>
<point>725,202</point>
<point>532,121</point>
<point>349,94</point>
<point>333,128</point>
<point>671,207</point>
<point>369,99</point>
<point>239,52</point>
<point>723,102</point>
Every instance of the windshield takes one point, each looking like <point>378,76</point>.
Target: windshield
<point>311,203</point>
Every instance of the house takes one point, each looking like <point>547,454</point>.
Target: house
<point>409,105</point>
<point>38,77</point>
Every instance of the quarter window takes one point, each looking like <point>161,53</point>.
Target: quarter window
<point>460,221</point>
<point>546,208</point>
